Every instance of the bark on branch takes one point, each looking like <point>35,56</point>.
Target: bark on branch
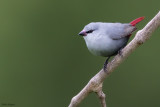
<point>96,82</point>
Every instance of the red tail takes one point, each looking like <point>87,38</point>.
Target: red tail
<point>134,22</point>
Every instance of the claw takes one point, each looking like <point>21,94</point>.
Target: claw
<point>120,52</point>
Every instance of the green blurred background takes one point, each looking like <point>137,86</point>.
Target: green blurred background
<point>44,63</point>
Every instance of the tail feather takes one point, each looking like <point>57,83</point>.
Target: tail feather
<point>134,22</point>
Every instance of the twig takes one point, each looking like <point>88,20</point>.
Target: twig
<point>102,97</point>
<point>95,84</point>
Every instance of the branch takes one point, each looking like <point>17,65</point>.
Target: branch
<point>96,82</point>
<point>102,97</point>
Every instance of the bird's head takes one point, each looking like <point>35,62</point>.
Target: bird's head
<point>91,28</point>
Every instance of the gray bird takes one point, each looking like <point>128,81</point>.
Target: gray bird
<point>107,39</point>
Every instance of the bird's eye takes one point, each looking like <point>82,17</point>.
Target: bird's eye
<point>90,31</point>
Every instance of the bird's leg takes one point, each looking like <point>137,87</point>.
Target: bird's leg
<point>105,64</point>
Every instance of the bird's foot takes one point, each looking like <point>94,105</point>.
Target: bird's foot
<point>120,52</point>
<point>105,65</point>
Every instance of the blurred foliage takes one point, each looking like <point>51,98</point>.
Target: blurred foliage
<point>44,63</point>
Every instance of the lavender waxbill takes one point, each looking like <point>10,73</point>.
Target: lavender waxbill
<point>107,39</point>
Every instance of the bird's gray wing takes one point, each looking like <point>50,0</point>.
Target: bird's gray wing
<point>117,30</point>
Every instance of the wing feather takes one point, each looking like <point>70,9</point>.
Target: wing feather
<point>117,30</point>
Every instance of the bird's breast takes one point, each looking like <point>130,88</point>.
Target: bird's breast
<point>104,45</point>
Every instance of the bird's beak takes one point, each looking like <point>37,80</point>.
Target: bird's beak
<point>82,33</point>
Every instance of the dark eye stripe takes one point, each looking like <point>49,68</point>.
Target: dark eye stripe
<point>90,31</point>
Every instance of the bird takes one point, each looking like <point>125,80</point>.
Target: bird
<point>108,39</point>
